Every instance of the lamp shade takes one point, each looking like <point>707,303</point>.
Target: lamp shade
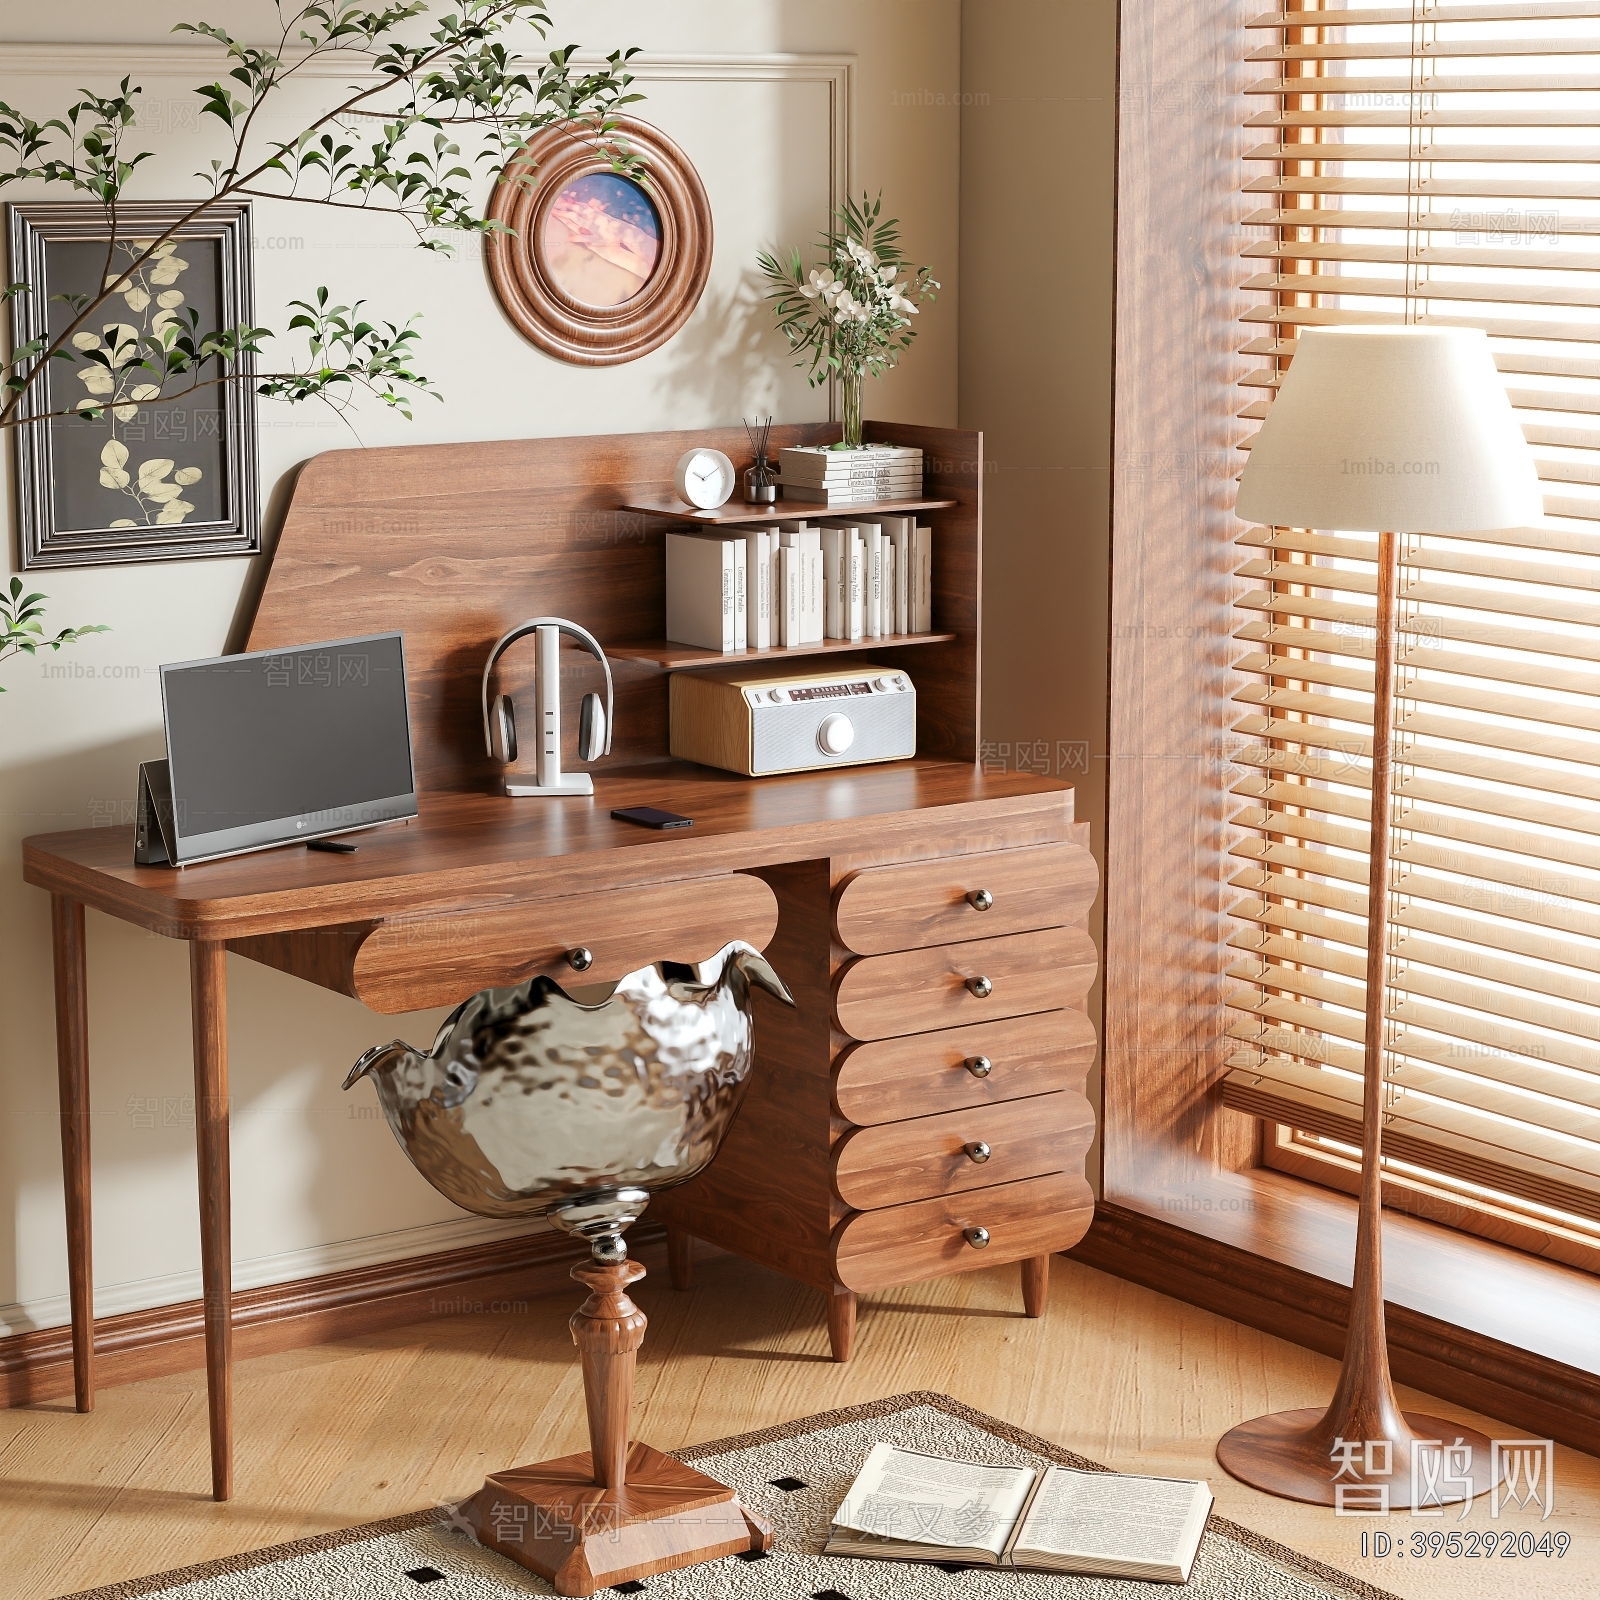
<point>1402,429</point>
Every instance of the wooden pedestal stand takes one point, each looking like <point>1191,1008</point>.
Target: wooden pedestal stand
<point>614,1512</point>
<point>1297,1454</point>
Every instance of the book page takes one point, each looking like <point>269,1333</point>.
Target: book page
<point>1108,1516</point>
<point>900,1494</point>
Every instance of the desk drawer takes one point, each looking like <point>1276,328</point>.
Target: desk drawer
<point>926,1239</point>
<point>957,1150</point>
<point>934,902</point>
<point>440,960</point>
<point>924,1073</point>
<point>916,991</point>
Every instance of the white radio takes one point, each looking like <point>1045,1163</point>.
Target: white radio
<point>759,723</point>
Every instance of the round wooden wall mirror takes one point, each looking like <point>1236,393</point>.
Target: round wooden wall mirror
<point>599,267</point>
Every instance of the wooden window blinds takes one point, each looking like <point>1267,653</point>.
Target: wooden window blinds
<point>1430,163</point>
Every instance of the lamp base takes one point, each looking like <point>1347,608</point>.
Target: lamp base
<point>1291,1454</point>
<point>553,1519</point>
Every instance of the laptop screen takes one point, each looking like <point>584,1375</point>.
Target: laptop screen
<point>287,744</point>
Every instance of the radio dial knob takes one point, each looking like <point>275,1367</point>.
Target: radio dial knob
<point>836,734</point>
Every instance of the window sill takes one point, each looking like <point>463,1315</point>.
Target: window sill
<point>1492,1328</point>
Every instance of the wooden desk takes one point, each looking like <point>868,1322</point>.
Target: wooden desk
<point>855,1160</point>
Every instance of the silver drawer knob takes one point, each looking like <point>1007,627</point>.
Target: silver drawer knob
<point>980,899</point>
<point>981,987</point>
<point>977,1151</point>
<point>581,958</point>
<point>978,1066</point>
<point>978,1238</point>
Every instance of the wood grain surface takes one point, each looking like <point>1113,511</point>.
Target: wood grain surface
<point>455,544</point>
<point>406,963</point>
<point>208,1000</point>
<point>923,1073</point>
<point>467,850</point>
<point>905,1244</point>
<point>69,954</point>
<point>1115,1371</point>
<point>878,997</point>
<point>960,1150</point>
<point>925,903</point>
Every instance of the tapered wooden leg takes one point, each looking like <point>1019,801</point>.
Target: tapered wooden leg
<point>1035,1285</point>
<point>72,1068</point>
<point>680,1257</point>
<point>841,1322</point>
<point>608,1329</point>
<point>208,999</point>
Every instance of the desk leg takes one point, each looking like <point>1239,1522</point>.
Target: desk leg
<point>208,999</point>
<point>72,1067</point>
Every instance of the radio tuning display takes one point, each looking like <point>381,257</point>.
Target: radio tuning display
<point>830,691</point>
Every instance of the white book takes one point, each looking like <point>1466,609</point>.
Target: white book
<point>1045,1519</point>
<point>741,595</point>
<point>872,536</point>
<point>816,599</point>
<point>836,583</point>
<point>922,609</point>
<point>818,463</point>
<point>889,565</point>
<point>857,625</point>
<point>899,529</point>
<point>790,565</point>
<point>700,591</point>
<point>758,590</point>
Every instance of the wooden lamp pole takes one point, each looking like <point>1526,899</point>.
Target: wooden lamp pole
<point>1300,1454</point>
<point>1407,428</point>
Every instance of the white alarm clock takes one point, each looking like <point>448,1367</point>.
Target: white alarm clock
<point>705,478</point>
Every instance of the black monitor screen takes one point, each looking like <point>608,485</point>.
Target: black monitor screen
<point>287,744</point>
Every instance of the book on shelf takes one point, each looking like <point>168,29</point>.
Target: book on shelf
<point>809,463</point>
<point>702,580</point>
<point>798,583</point>
<point>907,1506</point>
<point>842,477</point>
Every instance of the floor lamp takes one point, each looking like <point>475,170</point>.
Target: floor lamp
<point>1407,430</point>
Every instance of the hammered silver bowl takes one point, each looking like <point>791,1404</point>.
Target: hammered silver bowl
<point>536,1102</point>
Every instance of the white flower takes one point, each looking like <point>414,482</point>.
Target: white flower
<point>902,305</point>
<point>887,273</point>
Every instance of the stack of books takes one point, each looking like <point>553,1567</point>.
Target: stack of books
<point>799,583</point>
<point>832,478</point>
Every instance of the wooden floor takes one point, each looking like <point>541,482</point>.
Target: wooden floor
<point>369,1428</point>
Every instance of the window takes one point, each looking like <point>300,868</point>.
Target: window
<point>1430,163</point>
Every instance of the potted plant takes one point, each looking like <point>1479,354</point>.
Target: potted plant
<point>851,315</point>
<point>21,631</point>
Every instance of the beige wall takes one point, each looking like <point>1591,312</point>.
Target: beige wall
<point>318,1181</point>
<point>1038,126</point>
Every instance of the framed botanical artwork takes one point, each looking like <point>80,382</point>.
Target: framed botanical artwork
<point>166,470</point>
<point>596,266</point>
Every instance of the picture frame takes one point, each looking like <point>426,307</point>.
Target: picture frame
<point>598,267</point>
<point>144,482</point>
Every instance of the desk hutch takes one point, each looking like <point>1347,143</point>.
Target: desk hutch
<point>921,1112</point>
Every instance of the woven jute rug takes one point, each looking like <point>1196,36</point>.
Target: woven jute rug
<point>795,1475</point>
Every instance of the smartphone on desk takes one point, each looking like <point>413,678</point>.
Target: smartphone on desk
<point>652,817</point>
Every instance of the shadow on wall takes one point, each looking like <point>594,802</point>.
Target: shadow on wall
<point>727,360</point>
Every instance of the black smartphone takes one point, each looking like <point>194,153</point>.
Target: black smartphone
<point>652,817</point>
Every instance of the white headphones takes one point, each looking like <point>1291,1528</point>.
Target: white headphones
<point>594,722</point>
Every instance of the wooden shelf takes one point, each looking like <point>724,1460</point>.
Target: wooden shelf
<point>736,511</point>
<point>678,657</point>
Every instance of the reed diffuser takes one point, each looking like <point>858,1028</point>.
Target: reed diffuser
<point>760,477</point>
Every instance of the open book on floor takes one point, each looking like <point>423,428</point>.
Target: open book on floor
<point>911,1507</point>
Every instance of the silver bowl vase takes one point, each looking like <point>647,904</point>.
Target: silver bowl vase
<point>534,1102</point>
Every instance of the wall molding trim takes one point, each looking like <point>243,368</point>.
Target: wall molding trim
<point>1533,1392</point>
<point>498,1275</point>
